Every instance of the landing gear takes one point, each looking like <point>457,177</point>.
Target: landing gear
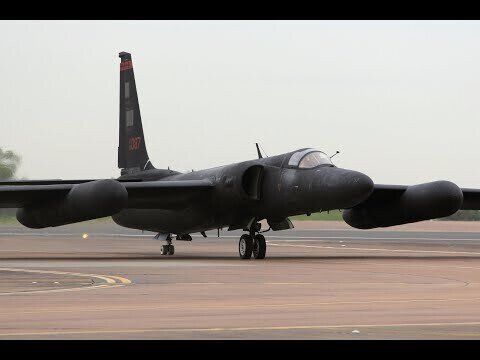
<point>167,249</point>
<point>259,247</point>
<point>245,246</point>
<point>252,244</point>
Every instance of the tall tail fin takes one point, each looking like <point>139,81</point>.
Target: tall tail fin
<point>132,151</point>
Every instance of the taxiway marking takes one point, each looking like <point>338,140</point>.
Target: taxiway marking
<point>374,249</point>
<point>235,306</point>
<point>236,329</point>
<point>111,281</point>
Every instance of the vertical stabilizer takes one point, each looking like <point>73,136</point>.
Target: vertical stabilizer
<point>132,150</point>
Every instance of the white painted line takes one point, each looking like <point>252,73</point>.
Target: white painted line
<point>251,328</point>
<point>200,283</point>
<point>247,306</point>
<point>385,250</point>
<point>314,238</point>
<point>288,283</point>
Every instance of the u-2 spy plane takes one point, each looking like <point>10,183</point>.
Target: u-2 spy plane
<point>237,196</point>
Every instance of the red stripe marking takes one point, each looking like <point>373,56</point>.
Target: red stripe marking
<point>126,65</point>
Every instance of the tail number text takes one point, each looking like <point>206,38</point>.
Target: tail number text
<point>134,143</point>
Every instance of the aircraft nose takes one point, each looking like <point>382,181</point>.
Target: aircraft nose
<point>341,188</point>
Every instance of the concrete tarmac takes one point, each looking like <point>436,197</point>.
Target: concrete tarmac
<point>314,284</point>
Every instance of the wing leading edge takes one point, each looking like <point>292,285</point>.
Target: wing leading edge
<point>471,197</point>
<point>141,194</point>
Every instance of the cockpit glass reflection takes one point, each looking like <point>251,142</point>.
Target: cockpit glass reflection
<point>314,159</point>
<point>309,158</point>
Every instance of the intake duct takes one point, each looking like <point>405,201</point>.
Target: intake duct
<point>86,201</point>
<point>252,182</point>
<point>417,203</point>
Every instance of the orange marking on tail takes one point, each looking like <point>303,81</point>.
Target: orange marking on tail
<point>126,65</point>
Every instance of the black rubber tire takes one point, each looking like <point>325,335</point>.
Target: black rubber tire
<point>245,246</point>
<point>171,250</point>
<point>259,247</point>
<point>164,250</point>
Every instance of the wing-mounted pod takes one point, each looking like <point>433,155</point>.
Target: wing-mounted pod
<point>415,203</point>
<point>86,201</point>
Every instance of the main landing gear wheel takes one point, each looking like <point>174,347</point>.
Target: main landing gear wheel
<point>245,246</point>
<point>259,246</point>
<point>167,249</point>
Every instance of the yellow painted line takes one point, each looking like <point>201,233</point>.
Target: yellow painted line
<point>251,328</point>
<point>385,250</point>
<point>122,279</point>
<point>109,280</point>
<point>60,290</point>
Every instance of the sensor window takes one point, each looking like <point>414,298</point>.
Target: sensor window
<point>127,90</point>
<point>129,117</point>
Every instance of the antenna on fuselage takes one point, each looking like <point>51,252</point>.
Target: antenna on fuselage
<point>258,151</point>
<point>338,152</point>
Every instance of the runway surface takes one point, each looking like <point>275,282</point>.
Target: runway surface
<point>314,284</point>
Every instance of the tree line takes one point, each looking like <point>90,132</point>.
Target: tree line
<point>9,163</point>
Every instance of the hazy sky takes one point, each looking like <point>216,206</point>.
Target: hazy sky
<point>399,99</point>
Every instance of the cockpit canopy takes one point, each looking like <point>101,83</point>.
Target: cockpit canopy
<point>308,159</point>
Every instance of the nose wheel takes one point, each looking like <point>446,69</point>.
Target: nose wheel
<point>252,245</point>
<point>167,249</point>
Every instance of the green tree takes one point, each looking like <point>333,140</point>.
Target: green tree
<point>464,215</point>
<point>9,162</point>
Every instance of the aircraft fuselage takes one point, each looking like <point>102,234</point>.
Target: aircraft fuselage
<point>265,188</point>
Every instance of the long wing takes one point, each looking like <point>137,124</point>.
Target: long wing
<point>390,205</point>
<point>141,194</point>
<point>471,197</point>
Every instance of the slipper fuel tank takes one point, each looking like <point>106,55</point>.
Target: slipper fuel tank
<point>416,203</point>
<point>86,201</point>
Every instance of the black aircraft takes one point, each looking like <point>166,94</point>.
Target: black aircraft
<point>236,196</point>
